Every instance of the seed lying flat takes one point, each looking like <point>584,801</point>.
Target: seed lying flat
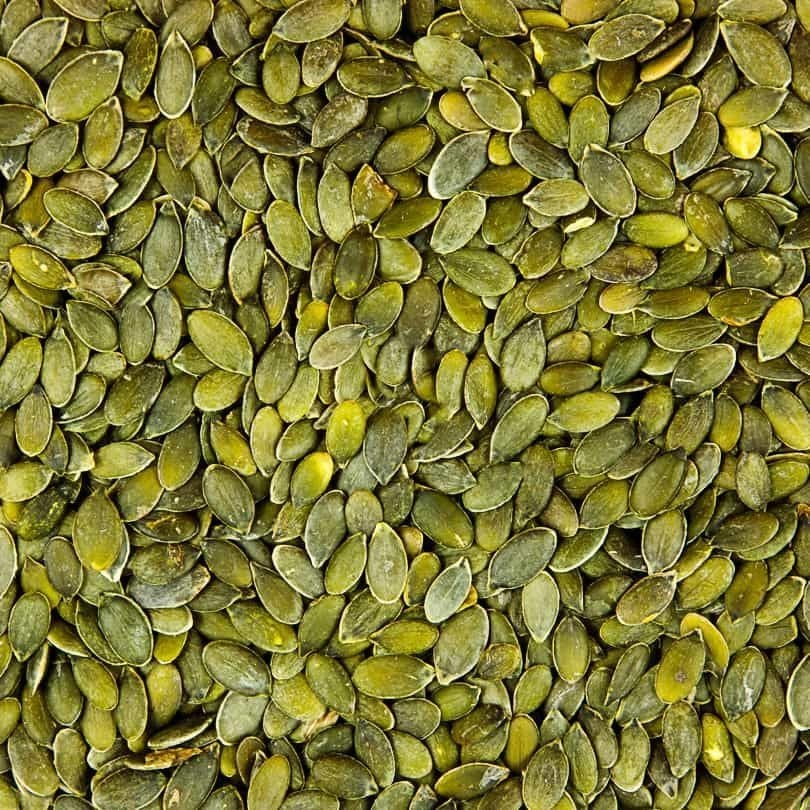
<point>404,405</point>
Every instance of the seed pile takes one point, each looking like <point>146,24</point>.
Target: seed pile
<point>404,405</point>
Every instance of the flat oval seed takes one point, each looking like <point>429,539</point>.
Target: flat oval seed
<point>459,162</point>
<point>546,777</point>
<point>448,591</point>
<point>672,125</point>
<point>228,496</point>
<point>269,783</point>
<point>126,628</point>
<point>175,77</point>
<point>40,268</point>
<point>447,60</point>
<point>76,211</point>
<point>743,682</point>
<point>521,558</point>
<point>387,564</point>
<point>236,667</point>
<point>779,328</point>
<point>28,624</point>
<point>757,53</point>
<point>796,697</point>
<point>392,676</point>
<point>31,765</point>
<point>98,532</point>
<point>680,668</point>
<point>83,84</point>
<point>311,20</point>
<point>221,341</point>
<point>128,790</point>
<point>788,415</point>
<point>499,18</point>
<point>460,644</point>
<point>608,182</point>
<point>624,36</point>
<point>645,600</point>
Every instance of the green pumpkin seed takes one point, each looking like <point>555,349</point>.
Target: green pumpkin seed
<point>524,432</point>
<point>387,564</point>
<point>500,19</point>
<point>392,677</point>
<point>221,341</point>
<point>757,54</point>
<point>789,416</point>
<point>460,644</point>
<point>447,61</point>
<point>608,182</point>
<point>228,496</point>
<point>680,668</point>
<point>546,777</point>
<point>743,682</point>
<point>458,163</point>
<point>624,36</point>
<point>126,628</point>
<point>76,211</point>
<point>72,96</point>
<point>269,783</point>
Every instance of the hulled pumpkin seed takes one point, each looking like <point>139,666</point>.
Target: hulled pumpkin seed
<point>378,381</point>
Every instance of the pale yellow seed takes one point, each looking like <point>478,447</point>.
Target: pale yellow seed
<point>743,142</point>
<point>537,17</point>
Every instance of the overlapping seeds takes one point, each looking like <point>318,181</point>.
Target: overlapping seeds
<point>404,404</point>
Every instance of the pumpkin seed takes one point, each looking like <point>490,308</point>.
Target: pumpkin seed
<point>376,379</point>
